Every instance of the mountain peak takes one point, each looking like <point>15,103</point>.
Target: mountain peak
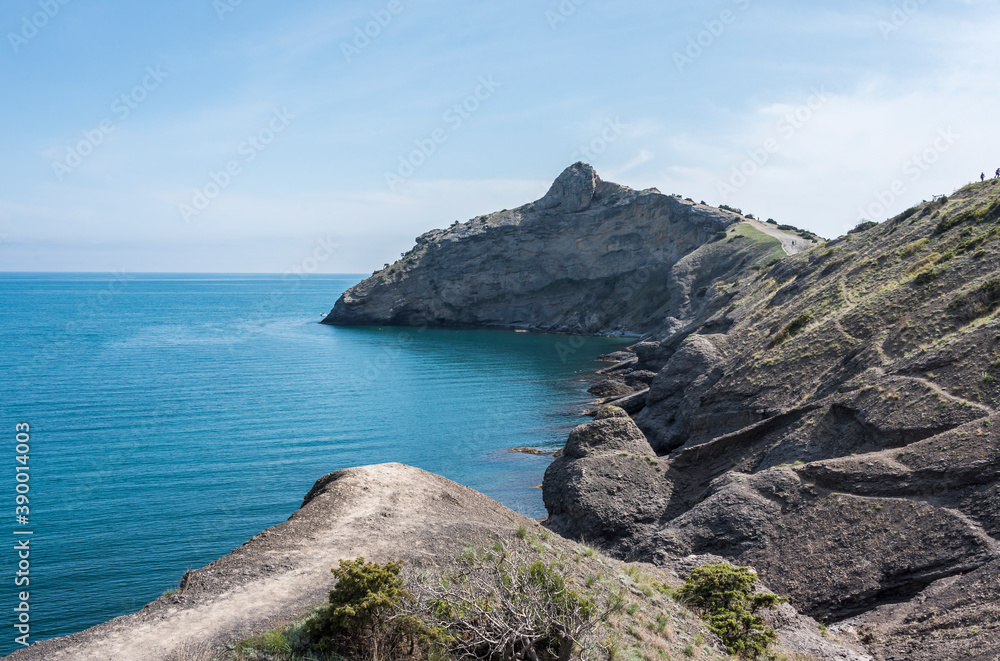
<point>573,190</point>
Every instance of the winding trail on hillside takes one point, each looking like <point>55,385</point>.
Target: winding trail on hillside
<point>792,244</point>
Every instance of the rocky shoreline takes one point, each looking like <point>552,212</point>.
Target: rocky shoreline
<point>830,418</point>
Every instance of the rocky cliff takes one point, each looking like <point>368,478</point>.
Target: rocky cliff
<point>830,417</point>
<point>589,257</point>
<point>834,424</point>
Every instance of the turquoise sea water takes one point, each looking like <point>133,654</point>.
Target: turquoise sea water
<point>175,416</point>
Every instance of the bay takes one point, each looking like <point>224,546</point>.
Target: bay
<point>174,416</point>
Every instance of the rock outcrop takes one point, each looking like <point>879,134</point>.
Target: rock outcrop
<point>589,257</point>
<point>834,425</point>
<point>608,484</point>
<point>829,417</point>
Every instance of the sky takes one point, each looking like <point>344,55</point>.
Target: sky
<point>265,137</point>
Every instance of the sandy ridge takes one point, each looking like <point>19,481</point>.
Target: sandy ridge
<point>283,572</point>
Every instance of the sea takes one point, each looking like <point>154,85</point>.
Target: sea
<point>167,418</point>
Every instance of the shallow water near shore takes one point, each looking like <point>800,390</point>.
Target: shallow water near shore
<point>175,416</point>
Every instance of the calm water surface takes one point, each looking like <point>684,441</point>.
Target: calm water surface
<point>175,416</point>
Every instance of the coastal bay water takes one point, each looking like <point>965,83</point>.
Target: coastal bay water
<point>175,416</point>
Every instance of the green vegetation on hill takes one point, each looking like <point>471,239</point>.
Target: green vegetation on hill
<point>522,597</point>
<point>725,596</point>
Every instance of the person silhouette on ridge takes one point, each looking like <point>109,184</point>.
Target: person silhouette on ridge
<point>997,175</point>
<point>982,176</point>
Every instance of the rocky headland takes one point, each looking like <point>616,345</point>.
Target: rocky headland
<point>827,417</point>
<point>825,412</point>
<point>589,257</point>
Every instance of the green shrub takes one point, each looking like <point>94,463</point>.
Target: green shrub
<point>925,277</point>
<point>358,621</point>
<point>979,302</point>
<point>725,597</point>
<point>505,603</point>
<point>272,643</point>
<point>862,226</point>
<point>914,248</point>
<point>909,212</point>
<point>795,327</point>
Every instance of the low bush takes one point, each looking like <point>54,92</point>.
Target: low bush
<point>981,301</point>
<point>925,277</point>
<point>725,597</point>
<point>505,603</point>
<point>361,620</point>
<point>794,327</point>
<point>863,226</point>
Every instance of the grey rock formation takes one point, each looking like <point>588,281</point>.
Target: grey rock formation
<point>615,387</point>
<point>585,489</point>
<point>833,420</point>
<point>589,257</point>
<point>615,357</point>
<point>672,404</point>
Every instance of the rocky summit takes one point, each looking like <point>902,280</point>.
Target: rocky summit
<point>589,257</point>
<point>824,412</point>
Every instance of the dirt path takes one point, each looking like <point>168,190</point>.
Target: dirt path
<point>283,572</point>
<point>792,243</point>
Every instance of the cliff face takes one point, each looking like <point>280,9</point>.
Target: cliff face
<point>589,257</point>
<point>831,417</point>
<point>835,425</point>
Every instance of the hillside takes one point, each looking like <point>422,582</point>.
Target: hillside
<point>827,414</point>
<point>388,513</point>
<point>828,417</point>
<point>834,425</point>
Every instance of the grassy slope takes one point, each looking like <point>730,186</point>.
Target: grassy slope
<point>651,624</point>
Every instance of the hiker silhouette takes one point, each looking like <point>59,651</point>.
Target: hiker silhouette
<point>982,176</point>
<point>997,175</point>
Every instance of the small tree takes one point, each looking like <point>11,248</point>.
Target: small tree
<point>359,622</point>
<point>504,603</point>
<point>725,596</point>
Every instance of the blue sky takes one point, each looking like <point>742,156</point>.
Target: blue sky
<point>219,135</point>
